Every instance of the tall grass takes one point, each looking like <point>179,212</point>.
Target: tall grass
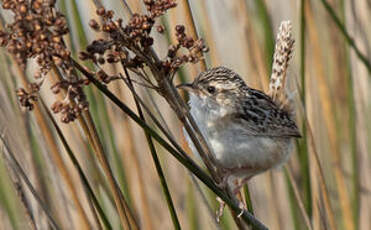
<point>111,167</point>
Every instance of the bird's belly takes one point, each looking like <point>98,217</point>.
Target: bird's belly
<point>251,154</point>
<point>245,155</point>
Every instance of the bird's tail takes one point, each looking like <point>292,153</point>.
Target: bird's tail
<point>281,57</point>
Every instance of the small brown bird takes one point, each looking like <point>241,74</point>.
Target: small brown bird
<point>248,131</point>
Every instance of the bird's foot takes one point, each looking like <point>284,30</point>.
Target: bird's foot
<point>239,185</point>
<point>220,211</point>
<point>243,208</point>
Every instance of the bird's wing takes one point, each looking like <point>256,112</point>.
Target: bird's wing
<point>258,115</point>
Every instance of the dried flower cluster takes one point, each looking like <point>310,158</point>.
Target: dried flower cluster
<point>130,44</point>
<point>194,48</point>
<point>133,36</point>
<point>75,101</point>
<point>37,32</point>
<point>27,99</point>
<point>157,8</point>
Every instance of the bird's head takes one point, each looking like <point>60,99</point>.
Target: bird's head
<point>220,86</point>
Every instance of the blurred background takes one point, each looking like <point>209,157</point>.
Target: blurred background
<point>329,169</point>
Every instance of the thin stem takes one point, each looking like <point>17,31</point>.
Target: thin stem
<point>265,19</point>
<point>205,201</point>
<point>317,163</point>
<point>190,165</point>
<point>157,163</point>
<point>180,108</point>
<point>298,198</point>
<point>166,131</point>
<point>324,189</point>
<point>354,136</point>
<point>90,131</point>
<point>54,152</point>
<point>19,190</point>
<point>327,108</point>
<point>29,185</point>
<point>192,26</point>
<point>75,162</point>
<point>192,129</point>
<point>302,50</point>
<point>348,38</point>
<point>303,145</point>
<point>89,128</point>
<point>157,123</point>
<point>249,206</point>
<point>174,100</point>
<point>121,204</point>
<point>127,7</point>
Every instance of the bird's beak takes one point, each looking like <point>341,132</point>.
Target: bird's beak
<point>186,86</point>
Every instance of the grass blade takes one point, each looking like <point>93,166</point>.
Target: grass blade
<point>75,162</point>
<point>156,161</point>
<point>365,60</point>
<point>23,175</point>
<point>179,156</point>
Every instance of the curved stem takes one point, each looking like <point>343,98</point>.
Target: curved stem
<point>157,163</point>
<point>190,165</point>
<point>348,38</point>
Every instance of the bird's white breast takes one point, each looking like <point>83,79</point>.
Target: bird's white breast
<point>245,155</point>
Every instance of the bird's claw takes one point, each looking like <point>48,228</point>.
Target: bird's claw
<point>241,213</point>
<point>243,209</point>
<point>219,213</point>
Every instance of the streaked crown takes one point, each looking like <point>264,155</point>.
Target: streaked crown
<point>219,80</point>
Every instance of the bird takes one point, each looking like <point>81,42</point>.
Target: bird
<point>247,131</point>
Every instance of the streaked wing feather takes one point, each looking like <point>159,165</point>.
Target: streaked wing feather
<point>260,116</point>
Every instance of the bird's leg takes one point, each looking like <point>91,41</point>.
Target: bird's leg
<point>237,189</point>
<point>222,184</point>
<point>237,192</point>
<point>220,211</point>
<point>234,187</point>
<point>241,203</point>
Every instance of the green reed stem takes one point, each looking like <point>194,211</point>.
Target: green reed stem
<point>28,183</point>
<point>157,163</point>
<point>302,144</point>
<point>265,20</point>
<point>248,199</point>
<point>348,38</point>
<point>75,162</point>
<point>188,163</point>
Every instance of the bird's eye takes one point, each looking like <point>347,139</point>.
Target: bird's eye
<point>211,89</point>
